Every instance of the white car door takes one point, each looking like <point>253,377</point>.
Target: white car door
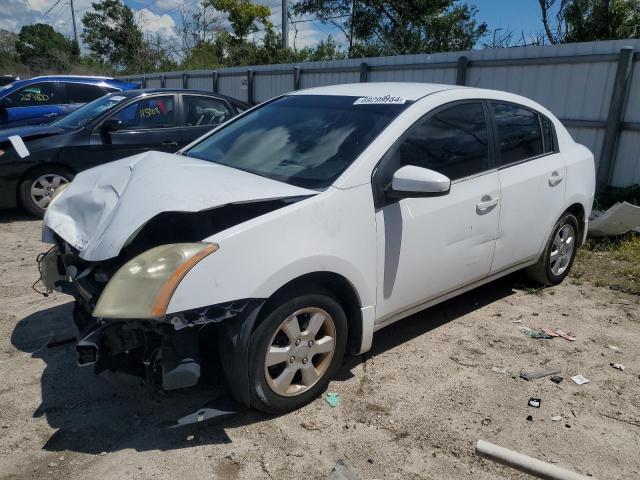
<point>532,173</point>
<point>429,246</point>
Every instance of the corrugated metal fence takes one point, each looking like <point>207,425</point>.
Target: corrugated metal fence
<point>594,88</point>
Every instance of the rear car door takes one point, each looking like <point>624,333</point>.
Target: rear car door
<point>201,114</point>
<point>429,246</point>
<point>150,123</point>
<point>33,104</point>
<point>532,173</point>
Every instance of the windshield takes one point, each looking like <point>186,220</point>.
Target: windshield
<point>303,140</point>
<point>83,115</point>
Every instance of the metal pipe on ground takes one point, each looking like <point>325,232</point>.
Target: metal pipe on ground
<point>524,463</point>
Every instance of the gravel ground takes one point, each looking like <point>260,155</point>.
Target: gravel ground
<point>411,408</point>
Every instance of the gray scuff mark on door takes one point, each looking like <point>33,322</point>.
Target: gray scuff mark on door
<point>617,220</point>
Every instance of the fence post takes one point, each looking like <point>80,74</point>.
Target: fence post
<point>250,87</point>
<point>214,81</point>
<point>144,80</point>
<point>185,80</point>
<point>612,131</point>
<point>461,70</point>
<point>162,81</point>
<point>364,71</point>
<point>296,78</point>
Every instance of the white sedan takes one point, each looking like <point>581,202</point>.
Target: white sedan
<point>294,231</point>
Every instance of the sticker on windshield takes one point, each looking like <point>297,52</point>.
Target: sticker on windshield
<point>385,99</point>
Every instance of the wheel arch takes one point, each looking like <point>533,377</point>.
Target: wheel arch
<point>578,210</point>
<point>338,286</point>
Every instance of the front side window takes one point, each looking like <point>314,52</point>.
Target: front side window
<point>44,93</point>
<point>83,93</point>
<point>148,113</point>
<point>304,140</point>
<point>519,133</point>
<point>453,141</point>
<point>202,111</point>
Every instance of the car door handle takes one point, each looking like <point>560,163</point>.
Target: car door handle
<point>169,143</point>
<point>555,179</point>
<point>486,203</point>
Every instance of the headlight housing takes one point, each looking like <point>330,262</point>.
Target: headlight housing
<point>142,287</point>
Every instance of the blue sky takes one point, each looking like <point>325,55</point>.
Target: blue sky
<point>161,16</point>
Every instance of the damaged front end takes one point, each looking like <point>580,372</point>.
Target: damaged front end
<point>166,350</point>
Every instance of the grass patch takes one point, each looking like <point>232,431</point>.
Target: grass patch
<point>610,262</point>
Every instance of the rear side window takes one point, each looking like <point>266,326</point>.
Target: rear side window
<point>202,111</point>
<point>453,141</point>
<point>83,93</point>
<point>547,135</point>
<point>36,94</point>
<point>519,133</point>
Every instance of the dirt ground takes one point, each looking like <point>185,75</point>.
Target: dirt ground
<point>411,408</point>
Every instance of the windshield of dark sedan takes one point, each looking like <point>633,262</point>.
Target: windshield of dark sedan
<point>83,115</point>
<point>304,140</point>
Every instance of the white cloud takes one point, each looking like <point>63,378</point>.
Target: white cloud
<point>153,23</point>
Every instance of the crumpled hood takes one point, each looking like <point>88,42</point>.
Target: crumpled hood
<point>104,206</point>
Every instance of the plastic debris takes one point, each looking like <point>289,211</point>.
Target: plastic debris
<point>545,372</point>
<point>556,418</point>
<point>615,348</point>
<point>499,370</point>
<point>579,379</point>
<point>550,332</point>
<point>342,472</point>
<point>534,402</point>
<point>617,366</point>
<point>566,336</point>
<point>333,399</point>
<point>617,220</point>
<point>556,379</point>
<point>535,333</point>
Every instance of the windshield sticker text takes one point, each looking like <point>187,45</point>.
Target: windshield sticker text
<point>385,99</point>
<point>149,112</point>
<point>34,97</point>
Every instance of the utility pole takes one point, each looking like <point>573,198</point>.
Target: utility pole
<point>73,20</point>
<point>285,24</point>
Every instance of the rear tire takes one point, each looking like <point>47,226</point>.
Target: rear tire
<point>34,193</point>
<point>295,351</point>
<point>557,258</point>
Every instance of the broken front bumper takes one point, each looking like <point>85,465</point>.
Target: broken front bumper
<point>167,351</point>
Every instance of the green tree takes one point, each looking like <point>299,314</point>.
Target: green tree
<point>244,15</point>
<point>388,27</point>
<point>112,35</point>
<point>589,20</point>
<point>40,47</point>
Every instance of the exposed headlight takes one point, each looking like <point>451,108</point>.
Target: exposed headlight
<point>143,286</point>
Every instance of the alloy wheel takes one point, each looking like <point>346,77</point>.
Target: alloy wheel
<point>300,351</point>
<point>562,250</point>
<point>43,187</point>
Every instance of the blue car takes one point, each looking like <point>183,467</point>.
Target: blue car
<point>41,100</point>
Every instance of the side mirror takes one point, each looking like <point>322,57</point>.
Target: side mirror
<point>111,125</point>
<point>411,181</point>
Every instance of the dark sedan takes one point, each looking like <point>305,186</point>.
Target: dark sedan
<point>35,160</point>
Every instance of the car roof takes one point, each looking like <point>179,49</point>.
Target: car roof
<point>407,90</point>
<point>70,79</point>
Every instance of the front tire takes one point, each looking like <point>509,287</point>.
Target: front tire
<point>558,256</point>
<point>37,187</point>
<point>295,351</point>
